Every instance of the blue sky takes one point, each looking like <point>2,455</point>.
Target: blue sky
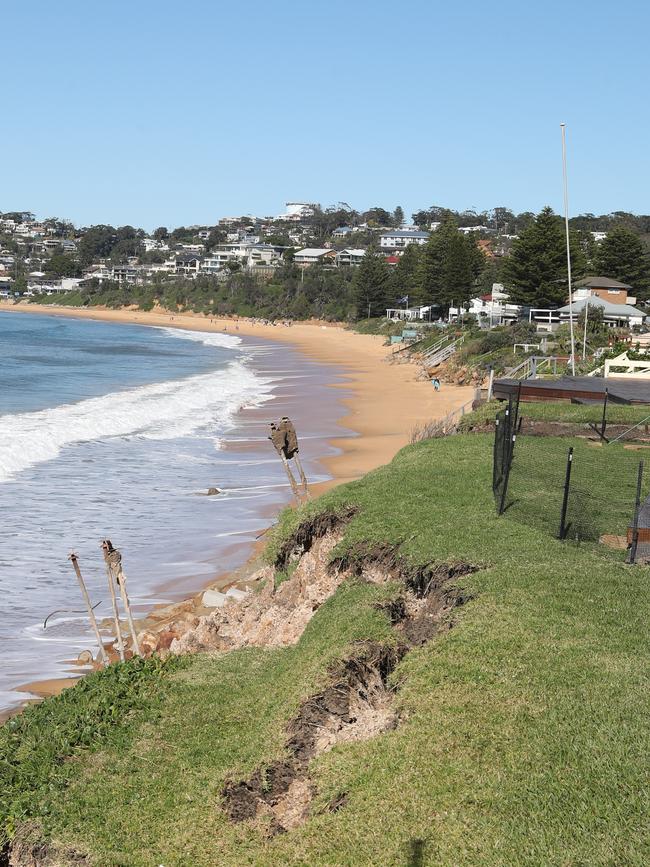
<point>160,113</point>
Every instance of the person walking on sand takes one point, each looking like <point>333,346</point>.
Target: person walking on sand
<point>435,382</point>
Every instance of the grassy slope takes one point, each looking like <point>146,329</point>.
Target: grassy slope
<point>525,732</point>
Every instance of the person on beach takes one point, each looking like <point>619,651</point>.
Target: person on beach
<point>435,382</point>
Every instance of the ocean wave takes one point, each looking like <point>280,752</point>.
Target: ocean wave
<point>204,402</point>
<point>207,338</point>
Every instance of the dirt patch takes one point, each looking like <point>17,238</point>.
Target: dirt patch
<point>308,532</point>
<point>384,561</point>
<point>356,705</point>
<point>29,849</point>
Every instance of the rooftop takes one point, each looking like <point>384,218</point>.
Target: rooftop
<point>600,283</point>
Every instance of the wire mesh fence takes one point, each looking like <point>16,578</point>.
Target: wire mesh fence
<point>572,488</point>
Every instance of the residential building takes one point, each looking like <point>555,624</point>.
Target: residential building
<point>188,264</point>
<point>398,239</point>
<point>609,290</point>
<point>493,308</point>
<point>614,315</point>
<point>312,255</point>
<point>349,258</point>
<point>341,232</point>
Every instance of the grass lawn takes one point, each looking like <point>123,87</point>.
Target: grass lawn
<point>524,729</point>
<point>575,413</point>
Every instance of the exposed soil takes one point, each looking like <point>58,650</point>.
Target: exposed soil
<point>358,702</point>
<point>28,849</point>
<point>308,532</point>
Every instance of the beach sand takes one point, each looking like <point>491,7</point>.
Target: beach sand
<point>381,402</point>
<point>387,399</point>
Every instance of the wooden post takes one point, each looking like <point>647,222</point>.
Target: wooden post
<point>490,384</point>
<point>116,615</point>
<point>303,477</point>
<point>120,578</point>
<point>91,614</point>
<point>292,481</point>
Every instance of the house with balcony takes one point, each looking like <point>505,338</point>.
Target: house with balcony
<point>350,258</point>
<point>398,239</point>
<point>315,255</point>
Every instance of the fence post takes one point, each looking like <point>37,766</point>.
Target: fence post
<point>604,423</point>
<point>637,505</point>
<point>565,498</point>
<point>509,448</point>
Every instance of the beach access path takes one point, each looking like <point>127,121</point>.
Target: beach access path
<point>386,400</point>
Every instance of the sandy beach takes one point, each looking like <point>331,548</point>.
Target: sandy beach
<point>387,399</point>
<point>381,402</point>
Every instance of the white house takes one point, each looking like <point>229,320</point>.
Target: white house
<point>493,309</point>
<point>614,315</point>
<point>313,255</point>
<point>397,239</point>
<point>349,258</point>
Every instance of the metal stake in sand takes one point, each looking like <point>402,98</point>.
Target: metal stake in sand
<point>114,563</point>
<point>116,615</point>
<point>91,614</point>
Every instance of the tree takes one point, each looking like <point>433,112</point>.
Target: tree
<point>535,273</point>
<point>450,264</point>
<point>405,276</point>
<point>160,234</point>
<point>371,284</point>
<point>97,243</point>
<point>398,216</point>
<point>622,256</point>
<point>61,265</point>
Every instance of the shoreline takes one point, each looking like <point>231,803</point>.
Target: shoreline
<point>383,403</point>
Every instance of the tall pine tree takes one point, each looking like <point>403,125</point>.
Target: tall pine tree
<point>535,273</point>
<point>622,256</point>
<point>371,284</point>
<point>450,264</point>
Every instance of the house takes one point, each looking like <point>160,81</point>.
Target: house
<point>313,255</point>
<point>124,273</point>
<point>296,211</point>
<point>408,314</point>
<point>493,308</point>
<point>605,288</point>
<point>397,239</point>
<point>349,258</point>
<point>614,315</point>
<point>188,265</point>
<point>341,232</point>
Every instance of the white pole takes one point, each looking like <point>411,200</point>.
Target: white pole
<point>568,251</point>
<point>584,336</point>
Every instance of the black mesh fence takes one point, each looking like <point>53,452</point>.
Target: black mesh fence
<point>572,488</point>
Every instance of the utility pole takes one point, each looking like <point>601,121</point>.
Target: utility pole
<point>568,251</point>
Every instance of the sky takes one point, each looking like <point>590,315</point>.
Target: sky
<point>151,113</point>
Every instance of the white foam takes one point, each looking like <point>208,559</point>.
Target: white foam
<point>208,338</point>
<point>160,411</point>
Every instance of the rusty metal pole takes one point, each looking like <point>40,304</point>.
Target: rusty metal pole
<point>116,616</point>
<point>91,614</point>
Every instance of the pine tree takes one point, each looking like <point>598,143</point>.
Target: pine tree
<point>398,216</point>
<point>371,284</point>
<point>622,256</point>
<point>535,273</point>
<point>405,276</point>
<point>450,263</point>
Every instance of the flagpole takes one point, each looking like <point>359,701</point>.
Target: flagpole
<point>568,251</point>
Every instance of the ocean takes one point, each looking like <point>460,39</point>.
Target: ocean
<point>117,431</point>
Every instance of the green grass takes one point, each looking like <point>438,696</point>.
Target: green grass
<point>524,730</point>
<point>562,412</point>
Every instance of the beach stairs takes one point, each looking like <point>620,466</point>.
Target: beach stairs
<point>532,367</point>
<point>441,350</point>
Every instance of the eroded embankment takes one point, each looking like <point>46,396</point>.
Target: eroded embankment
<point>358,702</point>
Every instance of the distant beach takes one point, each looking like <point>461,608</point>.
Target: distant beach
<point>353,408</point>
